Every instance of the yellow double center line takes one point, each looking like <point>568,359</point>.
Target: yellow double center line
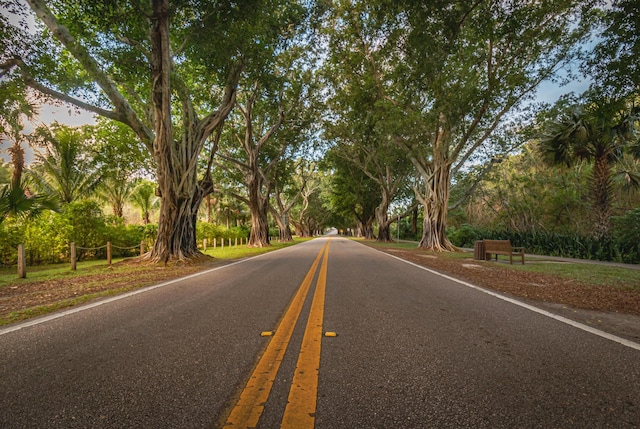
<point>301,407</point>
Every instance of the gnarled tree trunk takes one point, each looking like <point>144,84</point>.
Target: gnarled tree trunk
<point>176,226</point>
<point>435,204</point>
<point>382,218</point>
<point>259,208</point>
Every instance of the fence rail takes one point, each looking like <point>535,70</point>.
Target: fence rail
<point>22,264</point>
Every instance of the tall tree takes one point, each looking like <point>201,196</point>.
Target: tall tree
<point>358,128</point>
<point>353,193</point>
<point>290,182</point>
<point>598,133</point>
<point>450,72</point>
<point>614,67</point>
<point>64,169</point>
<point>257,158</point>
<point>271,123</point>
<point>168,71</point>
<point>120,158</point>
<point>16,199</point>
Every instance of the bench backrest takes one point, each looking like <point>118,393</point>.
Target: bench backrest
<point>499,245</point>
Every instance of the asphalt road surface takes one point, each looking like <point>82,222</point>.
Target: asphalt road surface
<point>326,334</point>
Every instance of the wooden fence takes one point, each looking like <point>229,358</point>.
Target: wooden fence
<point>22,265</point>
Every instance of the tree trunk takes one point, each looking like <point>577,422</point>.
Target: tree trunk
<point>258,207</point>
<point>210,202</point>
<point>176,230</point>
<point>601,197</point>
<point>367,229</point>
<point>382,218</point>
<point>283,227</point>
<point>259,236</point>
<point>285,234</point>
<point>176,225</point>
<point>118,210</point>
<point>384,233</point>
<point>435,211</point>
<point>414,221</point>
<point>17,159</point>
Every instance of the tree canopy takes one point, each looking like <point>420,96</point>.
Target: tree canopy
<point>402,99</point>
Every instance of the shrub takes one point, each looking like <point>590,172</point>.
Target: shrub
<point>626,234</point>
<point>464,236</point>
<point>88,223</point>
<point>11,234</point>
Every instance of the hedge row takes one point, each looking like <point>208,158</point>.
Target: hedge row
<point>47,237</point>
<point>622,246</point>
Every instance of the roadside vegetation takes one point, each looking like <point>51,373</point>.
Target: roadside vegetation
<point>592,274</point>
<point>53,287</point>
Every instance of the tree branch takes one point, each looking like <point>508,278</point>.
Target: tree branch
<point>126,114</point>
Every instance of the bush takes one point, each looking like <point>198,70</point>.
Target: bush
<point>564,245</point>
<point>211,231</point>
<point>626,234</point>
<point>46,239</point>
<point>464,236</point>
<point>125,239</point>
<point>11,234</point>
<point>88,223</point>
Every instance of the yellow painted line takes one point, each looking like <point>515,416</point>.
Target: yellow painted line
<point>250,406</point>
<point>301,409</point>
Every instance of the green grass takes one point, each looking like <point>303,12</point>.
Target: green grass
<point>9,276</point>
<point>594,274</point>
<point>133,275</point>
<point>237,252</point>
<point>591,274</point>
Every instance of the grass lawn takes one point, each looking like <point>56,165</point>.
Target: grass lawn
<point>594,274</point>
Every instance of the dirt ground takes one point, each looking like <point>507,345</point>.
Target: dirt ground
<point>611,309</point>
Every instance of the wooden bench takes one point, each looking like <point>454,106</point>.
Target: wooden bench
<point>501,247</point>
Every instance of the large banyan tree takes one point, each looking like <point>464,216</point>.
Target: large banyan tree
<point>167,69</point>
<point>448,75</point>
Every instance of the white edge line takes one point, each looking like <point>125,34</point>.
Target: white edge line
<point>564,320</point>
<point>84,307</point>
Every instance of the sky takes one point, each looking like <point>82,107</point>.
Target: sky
<point>47,115</point>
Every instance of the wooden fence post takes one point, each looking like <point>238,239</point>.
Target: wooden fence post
<point>236,241</point>
<point>73,256</point>
<point>22,269</point>
<point>222,243</point>
<point>229,242</point>
<point>204,245</point>
<point>109,253</point>
<point>215,243</point>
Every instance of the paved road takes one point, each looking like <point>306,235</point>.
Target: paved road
<point>413,350</point>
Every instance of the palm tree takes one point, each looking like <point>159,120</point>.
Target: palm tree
<point>601,134</point>
<point>16,199</point>
<point>115,191</point>
<point>144,198</point>
<point>63,169</point>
